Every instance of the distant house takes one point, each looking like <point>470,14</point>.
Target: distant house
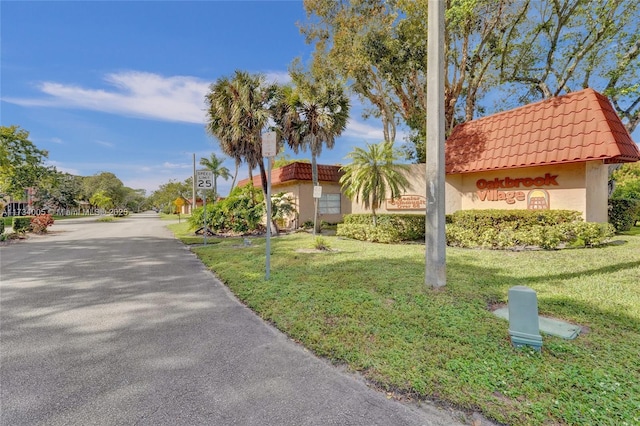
<point>186,207</point>
<point>295,180</point>
<point>552,154</point>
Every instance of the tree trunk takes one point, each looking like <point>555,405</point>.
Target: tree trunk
<point>314,178</point>
<point>235,176</point>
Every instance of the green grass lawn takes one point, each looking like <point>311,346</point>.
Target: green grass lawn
<point>366,306</point>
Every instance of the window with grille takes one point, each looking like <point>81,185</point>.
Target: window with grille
<point>329,204</point>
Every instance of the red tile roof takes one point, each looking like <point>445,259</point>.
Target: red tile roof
<point>298,171</point>
<point>576,127</point>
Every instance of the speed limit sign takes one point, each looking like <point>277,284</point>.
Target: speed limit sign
<point>204,179</point>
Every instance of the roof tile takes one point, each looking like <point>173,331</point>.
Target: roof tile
<point>299,171</point>
<point>576,127</point>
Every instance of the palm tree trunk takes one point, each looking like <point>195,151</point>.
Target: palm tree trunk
<point>253,199</point>
<point>314,179</point>
<point>235,176</point>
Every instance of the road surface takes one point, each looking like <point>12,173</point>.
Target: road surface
<point>120,324</point>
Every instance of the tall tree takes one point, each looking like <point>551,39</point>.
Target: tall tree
<point>238,111</point>
<point>568,45</point>
<point>516,50</point>
<point>374,176</point>
<point>21,163</point>
<point>214,164</point>
<point>108,183</point>
<point>59,191</point>
<point>380,47</point>
<point>311,116</point>
<point>166,193</point>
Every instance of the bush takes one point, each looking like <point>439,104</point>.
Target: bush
<point>1,227</point>
<point>237,213</point>
<point>623,213</point>
<point>321,244</point>
<point>577,234</point>
<point>21,224</point>
<point>390,228</point>
<point>40,223</point>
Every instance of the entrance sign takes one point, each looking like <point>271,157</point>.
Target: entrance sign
<point>407,202</point>
<point>204,179</point>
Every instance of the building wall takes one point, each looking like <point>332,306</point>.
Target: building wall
<point>574,186</point>
<point>597,178</point>
<point>302,193</point>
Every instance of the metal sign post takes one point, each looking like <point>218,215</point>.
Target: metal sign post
<point>269,150</point>
<point>204,181</point>
<point>317,194</point>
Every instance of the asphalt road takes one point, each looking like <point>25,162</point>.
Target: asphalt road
<point>120,324</point>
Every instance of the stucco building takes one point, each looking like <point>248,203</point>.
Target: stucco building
<point>553,154</point>
<point>295,179</point>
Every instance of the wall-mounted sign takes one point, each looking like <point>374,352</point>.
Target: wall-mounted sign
<point>491,190</point>
<point>547,180</point>
<point>407,202</point>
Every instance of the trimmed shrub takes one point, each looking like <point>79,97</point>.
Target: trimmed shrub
<point>576,234</point>
<point>390,228</point>
<point>40,223</point>
<point>623,213</point>
<point>21,224</point>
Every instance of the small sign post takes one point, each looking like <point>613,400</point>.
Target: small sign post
<point>204,181</point>
<point>317,194</point>
<point>269,150</point>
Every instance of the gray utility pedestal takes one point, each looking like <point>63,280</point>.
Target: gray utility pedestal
<point>524,327</point>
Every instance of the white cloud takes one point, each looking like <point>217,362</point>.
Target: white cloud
<point>280,77</point>
<point>364,131</point>
<point>131,93</point>
<point>107,144</point>
<point>56,140</point>
<point>168,165</point>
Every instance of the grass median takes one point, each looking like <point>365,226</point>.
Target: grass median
<point>366,306</point>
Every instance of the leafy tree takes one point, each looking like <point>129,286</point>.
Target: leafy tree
<point>105,182</point>
<point>134,199</point>
<point>568,45</point>
<point>59,191</point>
<point>21,163</point>
<point>373,175</point>
<point>214,164</point>
<point>311,116</point>
<point>164,196</point>
<point>102,200</point>
<point>283,205</point>
<point>284,159</point>
<point>627,179</point>
<point>518,51</point>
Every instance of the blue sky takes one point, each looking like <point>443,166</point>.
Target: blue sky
<point>119,86</point>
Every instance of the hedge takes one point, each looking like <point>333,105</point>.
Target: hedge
<point>495,229</point>
<point>623,213</point>
<point>22,223</point>
<point>391,228</point>
<point>1,227</point>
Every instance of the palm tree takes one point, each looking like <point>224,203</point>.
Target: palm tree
<point>214,164</point>
<point>311,116</point>
<point>239,110</point>
<point>373,174</point>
